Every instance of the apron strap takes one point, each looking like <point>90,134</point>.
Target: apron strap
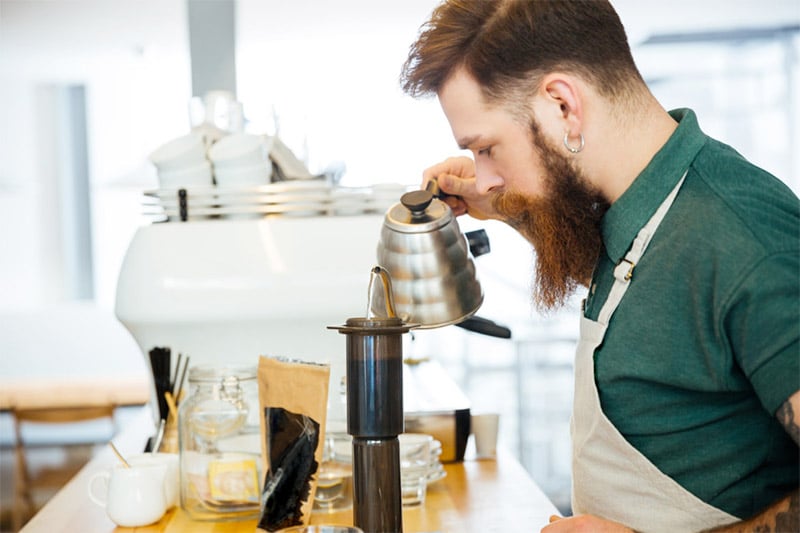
<point>623,272</point>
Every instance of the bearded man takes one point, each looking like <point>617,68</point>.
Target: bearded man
<point>687,407</point>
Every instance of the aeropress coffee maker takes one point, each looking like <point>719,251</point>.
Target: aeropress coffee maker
<point>375,407</point>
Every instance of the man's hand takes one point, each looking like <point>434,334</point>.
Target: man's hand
<point>584,523</point>
<point>456,178</point>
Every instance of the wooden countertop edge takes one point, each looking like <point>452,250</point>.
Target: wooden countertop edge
<point>55,392</point>
<point>477,495</point>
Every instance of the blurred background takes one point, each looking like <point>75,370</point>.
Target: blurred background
<point>96,85</point>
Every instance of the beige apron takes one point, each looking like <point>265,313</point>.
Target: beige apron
<point>611,478</point>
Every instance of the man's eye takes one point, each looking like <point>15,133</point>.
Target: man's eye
<point>485,151</point>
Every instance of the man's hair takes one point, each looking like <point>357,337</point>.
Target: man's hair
<point>508,45</point>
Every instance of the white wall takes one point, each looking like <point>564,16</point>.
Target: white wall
<point>135,79</point>
<point>329,70</point>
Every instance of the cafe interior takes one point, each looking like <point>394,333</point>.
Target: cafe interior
<point>123,277</point>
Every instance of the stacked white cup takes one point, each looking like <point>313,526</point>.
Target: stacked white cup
<point>241,160</point>
<point>182,163</point>
<point>415,459</point>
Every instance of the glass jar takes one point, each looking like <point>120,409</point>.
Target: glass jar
<point>335,476</point>
<point>219,438</point>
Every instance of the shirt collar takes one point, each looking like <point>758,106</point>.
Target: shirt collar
<point>631,211</point>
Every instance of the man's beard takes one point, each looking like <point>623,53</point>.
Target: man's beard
<point>564,226</point>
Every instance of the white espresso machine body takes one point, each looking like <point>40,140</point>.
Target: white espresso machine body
<point>228,291</point>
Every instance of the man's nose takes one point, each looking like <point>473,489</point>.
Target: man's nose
<point>487,179</point>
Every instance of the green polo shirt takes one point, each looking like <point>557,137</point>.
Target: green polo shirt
<point>703,348</point>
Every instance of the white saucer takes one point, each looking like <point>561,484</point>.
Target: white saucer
<point>436,475</point>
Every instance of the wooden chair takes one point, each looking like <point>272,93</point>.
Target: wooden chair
<point>24,482</point>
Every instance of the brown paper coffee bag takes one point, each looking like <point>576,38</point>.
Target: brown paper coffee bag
<point>293,397</point>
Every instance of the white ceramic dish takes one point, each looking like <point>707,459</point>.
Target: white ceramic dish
<point>196,176</point>
<point>239,150</point>
<point>436,475</point>
<point>258,174</point>
<point>181,153</point>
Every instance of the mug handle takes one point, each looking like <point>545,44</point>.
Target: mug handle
<point>99,500</point>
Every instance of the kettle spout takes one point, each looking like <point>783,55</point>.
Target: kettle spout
<point>380,301</point>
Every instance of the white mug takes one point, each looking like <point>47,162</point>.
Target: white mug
<point>196,176</point>
<point>240,150</point>
<point>172,478</point>
<point>180,153</point>
<point>254,175</point>
<point>133,496</point>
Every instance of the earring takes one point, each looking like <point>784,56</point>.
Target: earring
<point>570,148</point>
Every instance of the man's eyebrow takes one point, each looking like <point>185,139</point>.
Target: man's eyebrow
<point>465,142</point>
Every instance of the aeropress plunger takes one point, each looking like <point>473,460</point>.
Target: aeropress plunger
<point>375,407</point>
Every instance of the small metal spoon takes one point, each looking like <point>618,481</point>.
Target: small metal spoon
<point>159,435</point>
<point>119,455</point>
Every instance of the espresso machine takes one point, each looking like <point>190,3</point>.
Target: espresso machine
<point>225,291</point>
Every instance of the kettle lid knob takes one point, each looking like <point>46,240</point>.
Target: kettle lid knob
<point>417,201</point>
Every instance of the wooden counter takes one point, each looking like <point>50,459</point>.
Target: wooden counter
<point>475,496</point>
<point>49,393</point>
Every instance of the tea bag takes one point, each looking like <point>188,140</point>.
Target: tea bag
<point>293,397</point>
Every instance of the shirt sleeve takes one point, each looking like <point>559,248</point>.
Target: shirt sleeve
<point>763,325</point>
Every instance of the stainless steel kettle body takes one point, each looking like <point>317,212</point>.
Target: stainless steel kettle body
<point>432,270</point>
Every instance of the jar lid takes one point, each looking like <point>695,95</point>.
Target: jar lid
<point>215,374</point>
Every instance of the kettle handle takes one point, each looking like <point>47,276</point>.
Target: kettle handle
<point>485,327</point>
<point>478,242</point>
<point>433,188</point>
<point>418,201</point>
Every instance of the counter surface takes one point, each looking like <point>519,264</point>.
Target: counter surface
<point>475,496</point>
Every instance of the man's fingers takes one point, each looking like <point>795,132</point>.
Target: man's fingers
<point>450,184</point>
<point>458,166</point>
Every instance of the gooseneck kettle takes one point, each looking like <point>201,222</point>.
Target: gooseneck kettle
<point>431,263</point>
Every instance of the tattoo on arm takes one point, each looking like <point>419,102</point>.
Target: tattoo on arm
<point>789,520</point>
<point>787,416</point>
<point>783,515</point>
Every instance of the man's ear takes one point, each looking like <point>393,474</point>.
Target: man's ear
<point>562,91</point>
